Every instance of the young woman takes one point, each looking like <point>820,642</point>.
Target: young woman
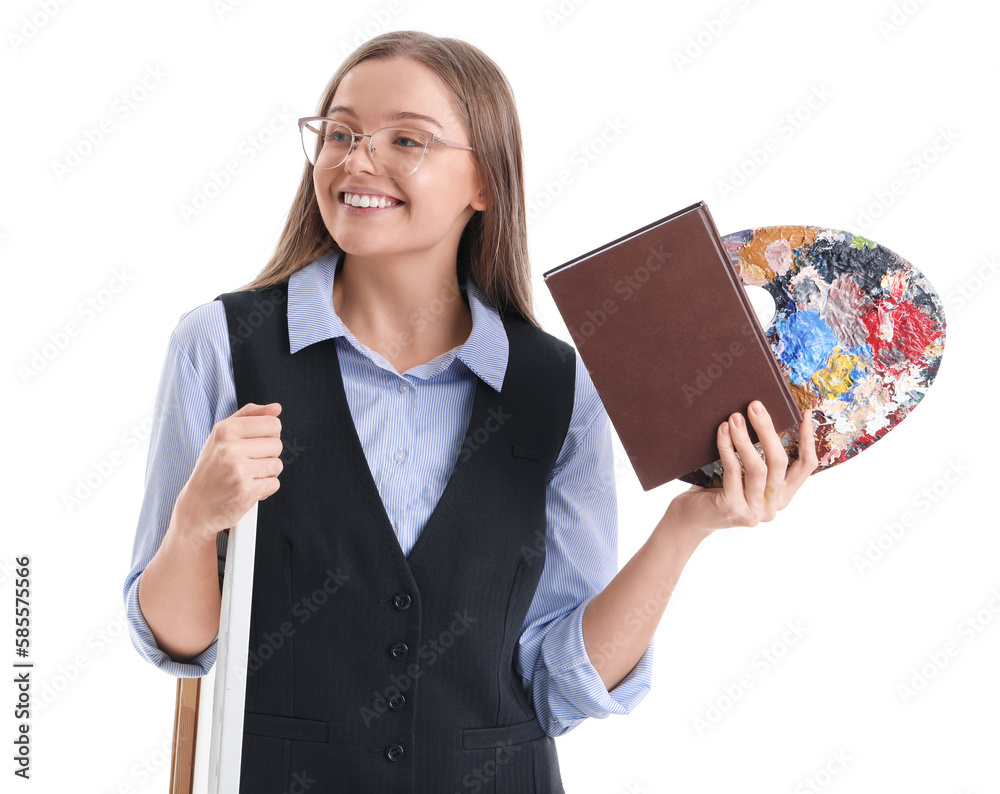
<point>435,594</point>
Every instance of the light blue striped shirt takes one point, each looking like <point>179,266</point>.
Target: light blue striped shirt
<point>410,426</point>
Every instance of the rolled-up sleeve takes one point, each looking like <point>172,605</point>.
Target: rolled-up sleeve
<point>581,556</point>
<point>191,396</point>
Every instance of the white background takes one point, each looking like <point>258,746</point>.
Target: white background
<point>900,80</point>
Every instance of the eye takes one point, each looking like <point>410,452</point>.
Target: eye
<point>338,135</point>
<point>407,139</point>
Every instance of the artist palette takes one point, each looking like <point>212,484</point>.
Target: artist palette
<point>857,331</point>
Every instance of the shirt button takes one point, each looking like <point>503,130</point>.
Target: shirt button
<point>399,650</point>
<point>394,752</point>
<point>401,601</point>
<point>404,388</point>
<point>396,702</point>
<point>400,455</point>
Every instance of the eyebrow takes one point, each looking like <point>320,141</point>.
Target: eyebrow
<point>398,115</point>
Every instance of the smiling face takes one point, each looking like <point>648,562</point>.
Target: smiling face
<point>425,212</point>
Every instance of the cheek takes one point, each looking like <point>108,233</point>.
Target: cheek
<point>321,183</point>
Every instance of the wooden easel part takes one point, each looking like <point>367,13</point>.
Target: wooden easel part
<point>185,736</point>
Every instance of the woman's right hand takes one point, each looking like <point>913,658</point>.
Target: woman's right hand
<point>238,465</point>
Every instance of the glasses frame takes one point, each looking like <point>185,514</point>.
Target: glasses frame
<point>356,140</point>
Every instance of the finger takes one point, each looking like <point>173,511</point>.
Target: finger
<point>732,474</point>
<point>261,447</point>
<point>807,461</point>
<point>264,468</point>
<point>255,409</point>
<point>754,469</point>
<point>776,459</point>
<point>252,427</point>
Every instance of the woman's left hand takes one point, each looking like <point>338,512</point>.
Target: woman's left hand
<point>756,493</point>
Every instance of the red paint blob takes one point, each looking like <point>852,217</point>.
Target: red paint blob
<point>909,333</point>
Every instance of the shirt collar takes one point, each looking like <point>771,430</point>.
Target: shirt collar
<point>311,319</point>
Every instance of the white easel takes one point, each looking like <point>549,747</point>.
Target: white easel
<point>213,705</point>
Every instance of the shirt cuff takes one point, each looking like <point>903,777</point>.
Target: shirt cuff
<point>144,642</point>
<point>578,686</point>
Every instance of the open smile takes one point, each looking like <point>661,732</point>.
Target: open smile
<point>368,201</point>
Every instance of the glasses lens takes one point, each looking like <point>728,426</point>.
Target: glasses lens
<point>325,143</point>
<point>398,152</point>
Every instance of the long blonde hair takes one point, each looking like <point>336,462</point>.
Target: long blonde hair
<point>493,246</point>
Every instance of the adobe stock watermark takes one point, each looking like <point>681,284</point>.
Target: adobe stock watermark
<point>303,610</point>
<point>142,771</point>
<point>224,8</point>
<point>625,288</point>
<point>599,488</point>
<point>785,128</point>
<point>91,138</point>
<point>378,22</point>
<point>423,317</point>
<point>963,294</point>
<point>475,440</point>
<point>821,779</point>
<point>87,311</point>
<point>301,783</point>
<point>923,501</point>
<point>246,151</point>
<point>762,662</point>
<point>900,15</point>
<point>912,169</point>
<point>651,609</point>
<point>430,650</point>
<point>94,646</point>
<point>555,15</point>
<point>968,629</point>
<point>30,26</point>
<point>581,158</point>
<point>246,325</point>
<point>698,43</point>
<point>99,471</point>
<point>6,569</point>
<point>711,373</point>
<point>482,775</point>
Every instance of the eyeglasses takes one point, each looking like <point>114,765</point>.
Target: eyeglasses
<point>394,151</point>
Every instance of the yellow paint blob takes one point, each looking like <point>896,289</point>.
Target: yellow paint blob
<point>835,378</point>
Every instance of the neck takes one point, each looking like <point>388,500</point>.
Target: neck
<point>408,312</point>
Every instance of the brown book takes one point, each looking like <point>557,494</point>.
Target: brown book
<point>671,341</point>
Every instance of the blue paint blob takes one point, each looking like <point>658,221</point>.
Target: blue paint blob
<point>805,346</point>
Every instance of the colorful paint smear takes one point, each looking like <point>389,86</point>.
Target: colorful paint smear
<point>858,332</point>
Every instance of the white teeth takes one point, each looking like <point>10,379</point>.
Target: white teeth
<point>359,200</point>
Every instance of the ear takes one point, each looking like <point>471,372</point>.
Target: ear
<point>479,202</point>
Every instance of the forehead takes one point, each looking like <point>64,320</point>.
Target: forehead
<point>377,90</point>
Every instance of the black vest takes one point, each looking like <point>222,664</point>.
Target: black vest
<point>371,671</point>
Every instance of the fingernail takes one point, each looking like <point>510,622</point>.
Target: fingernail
<point>757,407</point>
<point>738,420</point>
<point>724,428</point>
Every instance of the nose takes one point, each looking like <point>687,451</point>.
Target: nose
<point>360,159</point>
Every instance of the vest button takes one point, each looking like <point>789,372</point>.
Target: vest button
<point>399,650</point>
<point>401,601</point>
<point>394,752</point>
<point>396,702</point>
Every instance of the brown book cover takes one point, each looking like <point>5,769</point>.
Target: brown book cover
<point>671,341</point>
